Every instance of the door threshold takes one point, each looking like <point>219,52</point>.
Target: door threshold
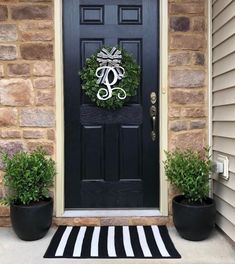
<point>111,212</point>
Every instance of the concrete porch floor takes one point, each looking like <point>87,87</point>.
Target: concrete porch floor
<point>215,250</point>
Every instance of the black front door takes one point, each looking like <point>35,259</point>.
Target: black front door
<point>111,160</point>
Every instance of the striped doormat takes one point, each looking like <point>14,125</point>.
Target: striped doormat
<point>111,242</point>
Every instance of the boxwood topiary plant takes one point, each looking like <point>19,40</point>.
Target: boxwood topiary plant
<point>28,176</point>
<point>189,171</point>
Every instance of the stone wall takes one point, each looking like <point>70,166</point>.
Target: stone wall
<point>187,73</point>
<point>27,90</point>
<point>188,106</point>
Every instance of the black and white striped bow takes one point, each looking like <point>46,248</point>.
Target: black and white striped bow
<point>109,59</point>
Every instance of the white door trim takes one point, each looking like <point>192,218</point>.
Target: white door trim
<point>59,80</point>
<point>59,182</point>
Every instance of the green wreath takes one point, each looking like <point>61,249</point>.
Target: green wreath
<point>129,83</point>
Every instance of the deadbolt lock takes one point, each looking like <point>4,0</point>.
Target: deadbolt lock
<point>153,97</point>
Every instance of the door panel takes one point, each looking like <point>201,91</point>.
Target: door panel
<point>130,165</point>
<point>110,158</point>
<point>92,138</point>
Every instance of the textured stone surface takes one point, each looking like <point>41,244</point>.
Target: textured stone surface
<point>198,58</point>
<point>174,112</point>
<point>11,147</point>
<point>37,36</point>
<point>187,78</point>
<point>36,51</point>
<point>179,58</point>
<point>191,42</point>
<point>35,117</point>
<point>198,24</point>
<point>8,32</point>
<point>51,134</point>
<point>33,134</point>
<point>45,98</point>
<point>148,220</point>
<point>47,147</point>
<point>43,82</point>
<point>8,117</point>
<point>4,210</point>
<point>198,124</point>
<point>9,1</point>
<point>11,133</point>
<point>35,25</point>
<point>18,69</point>
<point>179,23</point>
<point>27,114</point>
<point>43,68</point>
<point>79,221</point>
<point>31,12</point>
<point>194,140</point>
<point>186,8</point>
<point>36,1</point>
<point>1,70</point>
<point>117,221</point>
<point>114,221</point>
<point>185,97</point>
<point>3,13</point>
<point>193,112</point>
<point>178,125</point>
<point>5,221</point>
<point>16,92</point>
<point>8,52</point>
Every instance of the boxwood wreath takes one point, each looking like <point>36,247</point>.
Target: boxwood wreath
<point>129,81</point>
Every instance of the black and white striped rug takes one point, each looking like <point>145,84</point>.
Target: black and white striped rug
<point>111,242</point>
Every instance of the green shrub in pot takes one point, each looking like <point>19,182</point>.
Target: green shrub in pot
<point>28,178</point>
<point>193,211</point>
<point>189,171</point>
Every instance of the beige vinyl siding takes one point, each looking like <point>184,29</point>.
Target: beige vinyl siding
<point>224,129</point>
<point>225,64</point>
<point>224,17</point>
<point>224,81</point>
<point>223,33</point>
<point>223,108</point>
<point>225,208</point>
<point>226,225</point>
<point>224,49</point>
<point>224,113</point>
<point>224,97</point>
<point>219,6</point>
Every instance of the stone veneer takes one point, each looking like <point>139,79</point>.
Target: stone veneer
<point>188,105</point>
<point>27,85</point>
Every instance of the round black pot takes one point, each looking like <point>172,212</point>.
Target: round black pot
<point>31,222</point>
<point>193,222</point>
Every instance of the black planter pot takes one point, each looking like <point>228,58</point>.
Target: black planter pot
<point>193,222</point>
<point>32,222</point>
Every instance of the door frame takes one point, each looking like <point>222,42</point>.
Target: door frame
<point>163,108</point>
